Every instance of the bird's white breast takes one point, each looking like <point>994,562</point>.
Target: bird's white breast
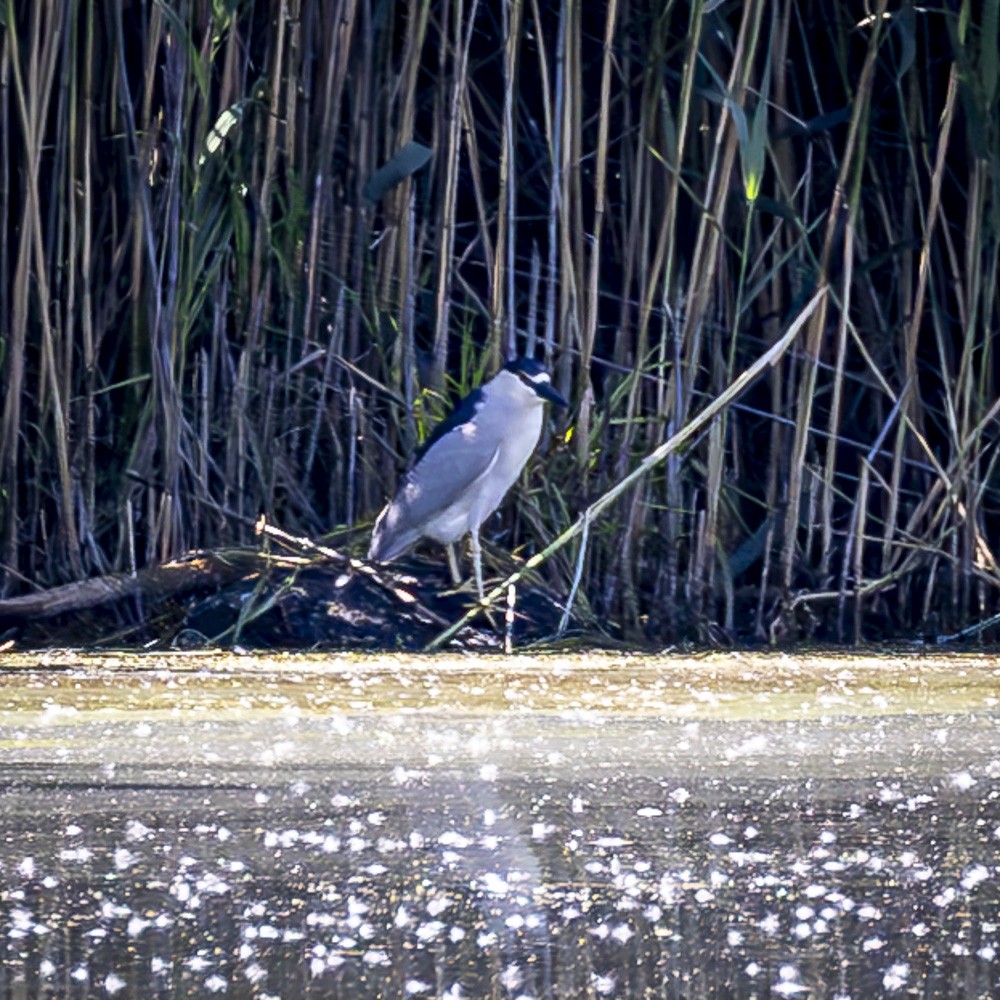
<point>507,426</point>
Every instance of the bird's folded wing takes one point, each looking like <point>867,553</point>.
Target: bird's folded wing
<point>449,468</point>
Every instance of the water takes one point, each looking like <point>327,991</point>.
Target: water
<point>714,827</point>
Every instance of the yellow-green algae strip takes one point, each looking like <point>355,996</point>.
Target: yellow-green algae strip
<point>65,687</point>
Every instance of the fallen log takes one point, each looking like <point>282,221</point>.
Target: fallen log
<point>192,572</point>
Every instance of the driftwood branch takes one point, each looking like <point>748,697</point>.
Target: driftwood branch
<point>201,569</point>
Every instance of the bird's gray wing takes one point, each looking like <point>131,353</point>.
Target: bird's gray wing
<point>449,467</point>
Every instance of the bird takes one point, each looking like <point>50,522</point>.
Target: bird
<point>465,468</point>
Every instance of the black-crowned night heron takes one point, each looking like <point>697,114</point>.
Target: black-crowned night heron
<point>467,465</point>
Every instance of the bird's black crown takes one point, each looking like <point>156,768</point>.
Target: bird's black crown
<point>533,374</point>
<point>525,366</point>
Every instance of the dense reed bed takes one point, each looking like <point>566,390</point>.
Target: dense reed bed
<point>249,250</point>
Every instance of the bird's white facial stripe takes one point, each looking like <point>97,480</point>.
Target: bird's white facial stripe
<point>542,378</point>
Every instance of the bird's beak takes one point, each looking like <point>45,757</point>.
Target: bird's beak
<point>546,391</point>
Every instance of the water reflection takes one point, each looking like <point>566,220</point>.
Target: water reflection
<point>524,856</point>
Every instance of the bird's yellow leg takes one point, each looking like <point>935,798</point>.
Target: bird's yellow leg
<point>477,558</point>
<point>453,564</point>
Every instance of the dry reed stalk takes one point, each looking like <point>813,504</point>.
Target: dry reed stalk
<point>459,45</point>
<point>837,390</point>
<point>917,307</point>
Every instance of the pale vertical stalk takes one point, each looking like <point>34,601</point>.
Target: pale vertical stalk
<point>718,432</point>
<point>773,300</point>
<point>393,130</point>
<point>568,100</point>
<point>407,216</point>
<point>951,545</point>
<point>87,270</point>
<point>691,58</point>
<point>446,245</point>
<point>911,193</point>
<point>968,404</point>
<point>912,332</point>
<point>554,132</point>
<point>534,283</point>
<point>204,422</point>
<point>484,209</point>
<point>859,549</point>
<point>502,312</point>
<point>356,213</point>
<point>15,297</point>
<point>408,319</point>
<point>338,44</point>
<point>259,279</point>
<point>889,524</point>
<point>976,188</point>
<point>166,395</point>
<point>296,165</point>
<point>259,275</point>
<point>290,117</point>
<point>837,388</point>
<point>589,330</point>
